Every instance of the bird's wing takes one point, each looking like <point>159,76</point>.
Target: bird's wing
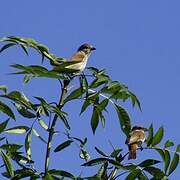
<point>79,56</point>
<point>136,136</point>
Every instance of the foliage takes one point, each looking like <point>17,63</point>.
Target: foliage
<point>98,91</point>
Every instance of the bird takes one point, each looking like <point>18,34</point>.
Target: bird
<point>81,57</point>
<point>135,140</point>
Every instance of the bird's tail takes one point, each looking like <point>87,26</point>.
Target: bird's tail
<point>132,151</point>
<point>132,155</point>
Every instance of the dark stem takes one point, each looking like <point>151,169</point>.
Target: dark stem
<point>114,171</point>
<point>53,125</point>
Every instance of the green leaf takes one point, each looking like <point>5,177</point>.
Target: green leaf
<point>135,100</point>
<point>66,67</point>
<point>27,78</point>
<point>83,83</point>
<point>6,46</point>
<point>48,177</point>
<point>3,88</point>
<point>133,174</point>
<point>174,163</point>
<point>23,173</point>
<point>94,119</point>
<point>3,125</point>
<point>103,104</point>
<point>85,105</point>
<point>142,176</point>
<point>148,162</point>
<point>101,152</point>
<point>161,153</point>
<point>18,97</point>
<point>178,148</point>
<point>158,136</point>
<point>37,135</point>
<point>63,145</point>
<point>74,95</point>
<point>23,111</point>
<point>43,124</point>
<point>168,144</point>
<point>115,153</point>
<point>17,130</point>
<point>6,109</point>
<point>155,172</point>
<point>42,48</point>
<point>83,154</point>
<point>102,79</point>
<point>28,144</point>
<point>19,158</point>
<point>124,119</point>
<point>103,120</point>
<point>11,147</point>
<point>32,69</point>
<point>8,165</point>
<point>62,115</point>
<point>25,49</point>
<point>150,136</point>
<point>102,172</point>
<point>60,173</point>
<point>167,159</point>
<point>94,162</point>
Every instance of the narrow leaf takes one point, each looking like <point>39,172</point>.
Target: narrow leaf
<point>43,124</point>
<point>167,159</point>
<point>155,172</point>
<point>11,147</point>
<point>37,135</point>
<point>158,136</point>
<point>84,155</point>
<point>74,95</point>
<point>61,173</point>
<point>7,163</point>
<point>6,109</point>
<point>133,174</point>
<point>3,88</point>
<point>17,130</point>
<point>28,144</point>
<point>174,163</point>
<point>6,46</point>
<point>168,144</point>
<point>94,162</point>
<point>94,119</point>
<point>63,145</point>
<point>124,119</point>
<point>148,162</point>
<point>3,125</point>
<point>115,153</point>
<point>178,148</point>
<point>24,112</point>
<point>101,152</point>
<point>25,49</point>
<point>150,136</point>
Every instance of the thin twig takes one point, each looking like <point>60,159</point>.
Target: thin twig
<point>53,125</point>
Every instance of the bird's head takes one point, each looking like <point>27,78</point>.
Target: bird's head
<point>139,128</point>
<point>86,48</point>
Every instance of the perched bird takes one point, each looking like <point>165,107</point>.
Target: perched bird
<point>135,139</point>
<point>76,63</point>
<point>82,55</point>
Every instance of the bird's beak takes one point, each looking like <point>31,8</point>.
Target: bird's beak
<point>145,129</point>
<point>93,48</point>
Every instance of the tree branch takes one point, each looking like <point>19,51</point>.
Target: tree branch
<point>53,125</point>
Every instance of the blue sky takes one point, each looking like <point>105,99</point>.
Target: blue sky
<point>138,43</point>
